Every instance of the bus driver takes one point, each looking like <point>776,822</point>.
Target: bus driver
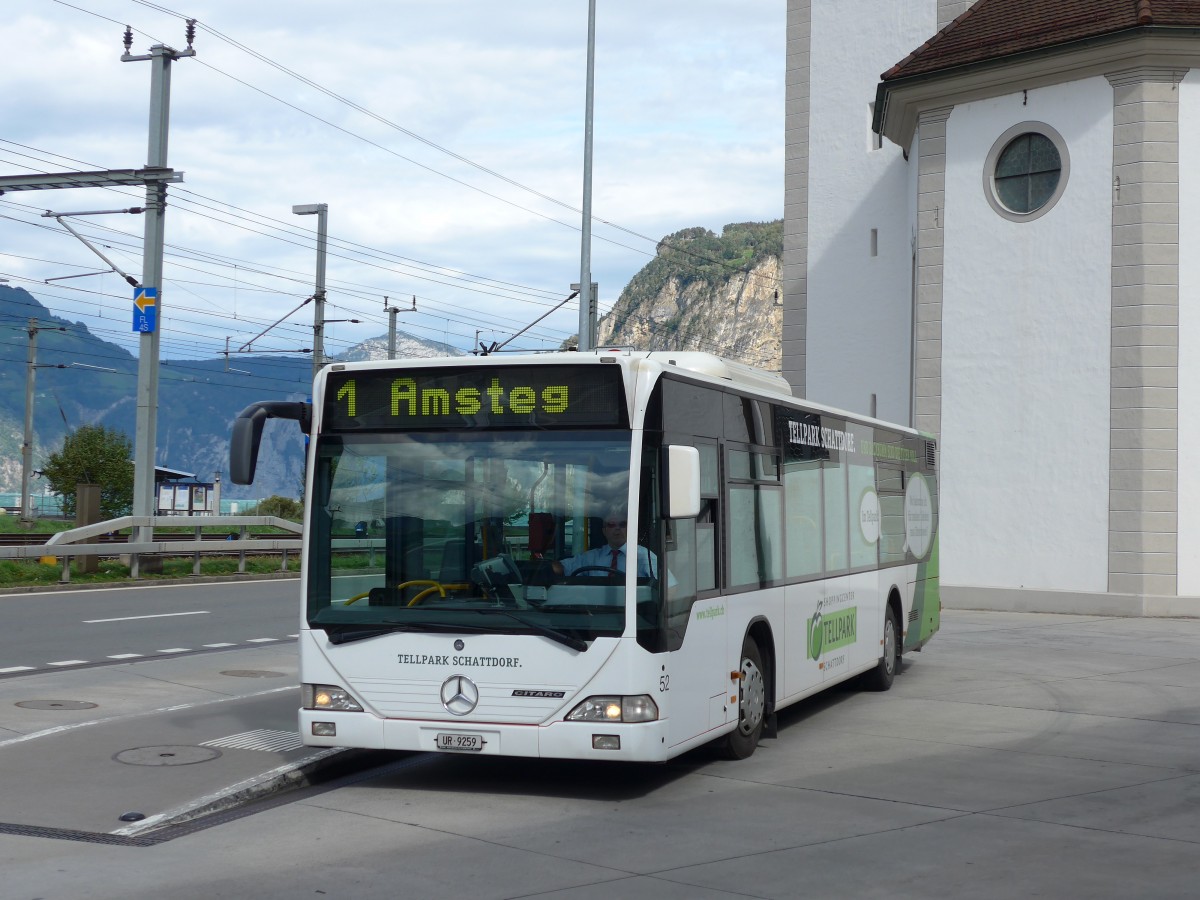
<point>611,556</point>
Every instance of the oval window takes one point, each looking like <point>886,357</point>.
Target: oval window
<point>1027,173</point>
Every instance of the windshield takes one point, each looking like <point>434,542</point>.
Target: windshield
<point>484,532</point>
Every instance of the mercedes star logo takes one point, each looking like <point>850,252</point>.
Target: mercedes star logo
<point>460,695</point>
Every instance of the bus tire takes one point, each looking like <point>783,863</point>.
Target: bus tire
<point>752,705</point>
<point>881,677</point>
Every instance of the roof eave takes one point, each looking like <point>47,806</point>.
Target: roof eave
<point>900,101</point>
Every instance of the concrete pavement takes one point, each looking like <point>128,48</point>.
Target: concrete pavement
<point>164,739</point>
<point>1018,755</point>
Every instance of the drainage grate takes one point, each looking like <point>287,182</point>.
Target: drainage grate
<point>56,704</point>
<point>178,755</point>
<point>262,739</point>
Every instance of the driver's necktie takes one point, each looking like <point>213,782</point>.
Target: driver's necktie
<point>616,556</point>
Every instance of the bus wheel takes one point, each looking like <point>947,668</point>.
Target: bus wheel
<point>752,705</point>
<point>881,677</point>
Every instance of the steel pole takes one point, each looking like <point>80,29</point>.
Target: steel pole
<point>392,332</point>
<point>587,309</point>
<point>319,309</point>
<point>27,446</point>
<point>146,434</point>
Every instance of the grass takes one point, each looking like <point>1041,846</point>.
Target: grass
<point>31,573</point>
<point>10,524</point>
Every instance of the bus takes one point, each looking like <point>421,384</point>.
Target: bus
<point>782,548</point>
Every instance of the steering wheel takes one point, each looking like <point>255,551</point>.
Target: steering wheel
<point>590,572</point>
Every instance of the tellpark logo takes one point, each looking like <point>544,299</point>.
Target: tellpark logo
<point>832,630</point>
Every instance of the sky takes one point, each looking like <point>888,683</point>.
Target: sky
<point>447,139</point>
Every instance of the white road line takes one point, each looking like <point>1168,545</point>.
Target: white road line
<point>68,662</point>
<point>260,640</point>
<point>220,645</point>
<point>16,669</point>
<point>125,656</point>
<point>176,650</point>
<point>138,715</point>
<point>199,612</point>
<point>161,586</point>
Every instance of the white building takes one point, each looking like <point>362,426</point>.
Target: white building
<point>986,243</point>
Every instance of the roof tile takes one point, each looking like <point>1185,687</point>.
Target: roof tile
<point>993,29</point>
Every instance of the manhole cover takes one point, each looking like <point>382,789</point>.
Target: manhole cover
<point>166,756</point>
<point>253,673</point>
<point>56,704</point>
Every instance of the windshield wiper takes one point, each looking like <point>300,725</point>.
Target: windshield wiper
<point>347,634</point>
<point>344,634</point>
<point>338,635</point>
<point>554,634</point>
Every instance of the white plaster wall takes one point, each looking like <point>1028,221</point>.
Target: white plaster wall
<point>1189,336</point>
<point>859,306</point>
<point>1026,353</point>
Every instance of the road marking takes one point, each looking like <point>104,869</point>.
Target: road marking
<point>60,729</point>
<point>125,656</point>
<point>199,612</point>
<point>260,739</point>
<point>161,586</point>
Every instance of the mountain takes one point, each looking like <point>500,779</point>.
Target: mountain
<point>82,379</point>
<point>722,294</point>
<point>407,347</point>
<point>702,291</point>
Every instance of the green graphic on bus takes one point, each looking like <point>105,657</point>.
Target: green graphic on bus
<point>832,631</point>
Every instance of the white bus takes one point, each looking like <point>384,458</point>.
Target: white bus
<point>782,548</point>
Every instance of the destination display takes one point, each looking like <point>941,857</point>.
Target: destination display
<point>475,397</point>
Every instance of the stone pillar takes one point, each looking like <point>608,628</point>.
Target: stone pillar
<point>1143,486</point>
<point>949,10</point>
<point>931,230</point>
<point>795,194</point>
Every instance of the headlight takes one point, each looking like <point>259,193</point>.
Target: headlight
<point>641,708</point>
<point>327,697</point>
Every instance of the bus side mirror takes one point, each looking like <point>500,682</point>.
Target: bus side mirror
<point>247,434</point>
<point>682,482</point>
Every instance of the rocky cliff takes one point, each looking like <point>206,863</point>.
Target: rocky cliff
<point>721,294</point>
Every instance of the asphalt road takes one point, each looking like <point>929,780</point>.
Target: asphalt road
<point>109,626</point>
<point>1019,755</point>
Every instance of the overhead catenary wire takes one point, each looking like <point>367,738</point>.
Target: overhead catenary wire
<point>200,200</point>
<point>415,136</point>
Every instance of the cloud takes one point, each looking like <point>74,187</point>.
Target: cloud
<point>688,131</point>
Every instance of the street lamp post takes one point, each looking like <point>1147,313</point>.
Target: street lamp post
<point>321,211</point>
<point>587,307</point>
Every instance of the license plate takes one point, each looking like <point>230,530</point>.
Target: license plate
<point>466,742</point>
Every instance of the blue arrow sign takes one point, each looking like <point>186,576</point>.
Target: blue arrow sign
<point>145,309</point>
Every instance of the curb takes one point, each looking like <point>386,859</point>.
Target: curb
<point>327,766</point>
